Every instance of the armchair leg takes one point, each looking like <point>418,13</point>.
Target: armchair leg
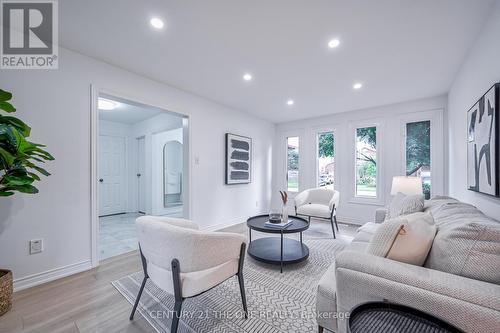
<point>138,298</point>
<point>320,329</point>
<point>336,224</point>
<point>176,275</point>
<point>240,279</point>
<point>333,228</point>
<point>145,269</point>
<point>177,315</point>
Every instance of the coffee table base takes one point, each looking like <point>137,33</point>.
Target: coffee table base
<point>268,250</point>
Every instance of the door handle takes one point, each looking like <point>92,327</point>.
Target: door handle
<point>101,180</point>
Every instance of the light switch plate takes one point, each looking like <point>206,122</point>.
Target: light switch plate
<point>36,246</point>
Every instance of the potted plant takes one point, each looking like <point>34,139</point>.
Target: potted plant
<point>19,168</point>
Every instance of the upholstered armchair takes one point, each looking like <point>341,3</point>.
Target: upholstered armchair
<point>186,262</point>
<point>319,203</point>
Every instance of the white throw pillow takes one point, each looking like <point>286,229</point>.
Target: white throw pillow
<point>403,204</point>
<point>406,239</point>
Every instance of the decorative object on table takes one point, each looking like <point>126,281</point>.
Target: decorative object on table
<point>275,215</point>
<point>274,250</point>
<point>238,159</point>
<point>483,144</point>
<point>320,203</point>
<point>278,225</point>
<point>19,168</point>
<point>384,317</point>
<point>284,200</point>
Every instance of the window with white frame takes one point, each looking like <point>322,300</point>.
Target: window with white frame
<point>418,153</point>
<point>325,159</point>
<point>366,162</point>
<point>292,163</point>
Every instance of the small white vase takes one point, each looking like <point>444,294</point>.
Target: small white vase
<point>284,214</point>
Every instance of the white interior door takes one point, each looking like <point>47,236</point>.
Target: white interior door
<point>112,186</point>
<point>141,156</point>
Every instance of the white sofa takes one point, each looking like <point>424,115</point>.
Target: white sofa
<point>459,282</point>
<point>319,203</point>
<point>186,262</point>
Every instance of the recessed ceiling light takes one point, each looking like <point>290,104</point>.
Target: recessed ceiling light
<point>247,77</point>
<point>357,86</point>
<point>106,104</point>
<point>290,102</point>
<point>333,43</point>
<point>156,23</point>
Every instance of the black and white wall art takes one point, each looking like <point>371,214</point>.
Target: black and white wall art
<point>238,159</point>
<point>483,144</point>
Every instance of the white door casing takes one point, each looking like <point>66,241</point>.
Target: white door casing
<point>141,170</point>
<point>112,182</point>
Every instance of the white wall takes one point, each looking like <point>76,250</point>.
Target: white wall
<point>479,72</point>
<point>57,105</point>
<point>390,145</point>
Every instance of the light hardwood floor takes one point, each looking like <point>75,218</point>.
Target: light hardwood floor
<point>87,302</point>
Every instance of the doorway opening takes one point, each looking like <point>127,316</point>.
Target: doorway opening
<point>141,168</point>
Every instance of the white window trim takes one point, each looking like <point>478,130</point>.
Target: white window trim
<point>437,145</point>
<point>379,199</point>
<point>317,131</point>
<point>284,144</point>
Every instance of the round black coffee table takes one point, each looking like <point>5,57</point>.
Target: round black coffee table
<point>277,250</point>
<point>381,317</point>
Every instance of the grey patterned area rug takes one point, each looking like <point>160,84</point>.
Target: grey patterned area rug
<point>276,302</point>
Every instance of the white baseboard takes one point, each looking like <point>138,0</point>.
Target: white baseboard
<point>51,275</point>
<point>228,223</point>
<point>350,220</point>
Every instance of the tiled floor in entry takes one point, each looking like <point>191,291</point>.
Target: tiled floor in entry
<point>117,234</point>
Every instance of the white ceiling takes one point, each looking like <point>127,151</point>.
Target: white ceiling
<point>400,49</point>
<point>127,113</point>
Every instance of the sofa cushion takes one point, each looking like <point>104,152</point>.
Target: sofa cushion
<point>365,232</point>
<point>406,239</point>
<point>471,250</point>
<point>363,236</point>
<point>314,210</point>
<point>403,204</point>
<point>326,300</point>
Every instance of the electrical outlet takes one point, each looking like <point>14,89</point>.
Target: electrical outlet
<point>256,204</point>
<point>36,246</point>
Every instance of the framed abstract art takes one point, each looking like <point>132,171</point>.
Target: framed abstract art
<point>238,159</point>
<point>483,144</point>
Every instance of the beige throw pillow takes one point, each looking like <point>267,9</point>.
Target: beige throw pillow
<point>403,204</point>
<point>406,239</point>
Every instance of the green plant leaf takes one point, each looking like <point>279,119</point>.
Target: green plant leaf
<point>34,176</point>
<point>17,180</point>
<point>5,95</point>
<point>30,189</point>
<point>7,157</point>
<point>17,123</point>
<point>7,107</point>
<point>19,158</point>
